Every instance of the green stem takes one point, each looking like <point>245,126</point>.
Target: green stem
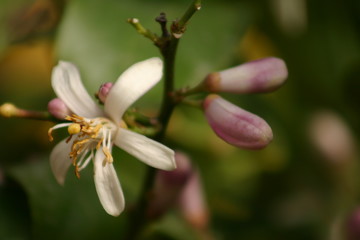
<point>168,103</point>
<point>143,31</point>
<point>191,91</point>
<point>192,103</point>
<point>139,218</point>
<point>179,27</point>
<point>167,45</point>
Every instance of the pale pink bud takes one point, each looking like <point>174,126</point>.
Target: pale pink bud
<point>353,225</point>
<point>58,109</point>
<point>263,75</point>
<point>235,125</point>
<point>2,177</point>
<point>104,91</point>
<point>332,137</point>
<point>192,203</point>
<point>168,186</point>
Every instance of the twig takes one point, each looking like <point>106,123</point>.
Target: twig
<point>167,45</point>
<point>143,31</point>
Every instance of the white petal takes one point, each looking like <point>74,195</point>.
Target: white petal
<point>68,87</point>
<point>145,149</point>
<point>131,85</point>
<point>60,160</point>
<point>108,186</point>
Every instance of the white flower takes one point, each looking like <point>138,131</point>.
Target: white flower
<point>93,131</point>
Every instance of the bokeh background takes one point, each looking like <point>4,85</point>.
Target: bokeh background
<point>304,185</point>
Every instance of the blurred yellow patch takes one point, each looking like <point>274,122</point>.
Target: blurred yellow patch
<point>255,44</point>
<point>27,66</point>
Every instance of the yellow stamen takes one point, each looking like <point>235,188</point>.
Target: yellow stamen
<point>50,134</point>
<point>77,148</point>
<point>75,118</point>
<point>89,135</point>
<point>108,156</point>
<point>68,139</point>
<point>91,131</point>
<point>77,172</point>
<point>78,143</point>
<point>99,143</point>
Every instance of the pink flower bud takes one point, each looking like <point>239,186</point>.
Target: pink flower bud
<point>263,75</point>
<point>235,125</point>
<point>332,137</point>
<point>192,203</point>
<point>58,109</point>
<point>104,91</point>
<point>168,186</point>
<point>353,225</point>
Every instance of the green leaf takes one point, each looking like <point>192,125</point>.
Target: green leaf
<point>69,212</point>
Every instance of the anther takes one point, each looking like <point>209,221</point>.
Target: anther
<point>50,134</point>
<point>77,171</point>
<point>108,156</point>
<point>99,143</point>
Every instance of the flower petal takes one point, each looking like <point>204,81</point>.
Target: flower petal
<point>68,87</point>
<point>108,186</point>
<point>145,149</point>
<point>60,160</point>
<point>131,85</point>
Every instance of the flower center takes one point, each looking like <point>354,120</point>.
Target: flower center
<point>88,134</point>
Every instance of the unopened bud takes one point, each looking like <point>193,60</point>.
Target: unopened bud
<point>235,125</point>
<point>104,91</point>
<point>8,110</point>
<point>192,203</point>
<point>58,109</point>
<point>332,137</point>
<point>2,177</point>
<point>353,225</point>
<point>168,186</point>
<point>263,75</point>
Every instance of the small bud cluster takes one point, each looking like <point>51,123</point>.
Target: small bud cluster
<point>352,225</point>
<point>168,185</point>
<point>332,137</point>
<point>104,91</point>
<point>231,123</point>
<point>58,109</point>
<point>180,188</point>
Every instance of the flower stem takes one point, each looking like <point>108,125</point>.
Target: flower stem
<point>140,29</point>
<point>179,27</point>
<point>9,110</point>
<point>138,218</point>
<point>167,45</point>
<point>168,103</point>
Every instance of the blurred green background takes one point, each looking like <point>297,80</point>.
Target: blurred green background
<point>304,185</point>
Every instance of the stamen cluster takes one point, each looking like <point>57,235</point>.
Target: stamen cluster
<point>89,134</point>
